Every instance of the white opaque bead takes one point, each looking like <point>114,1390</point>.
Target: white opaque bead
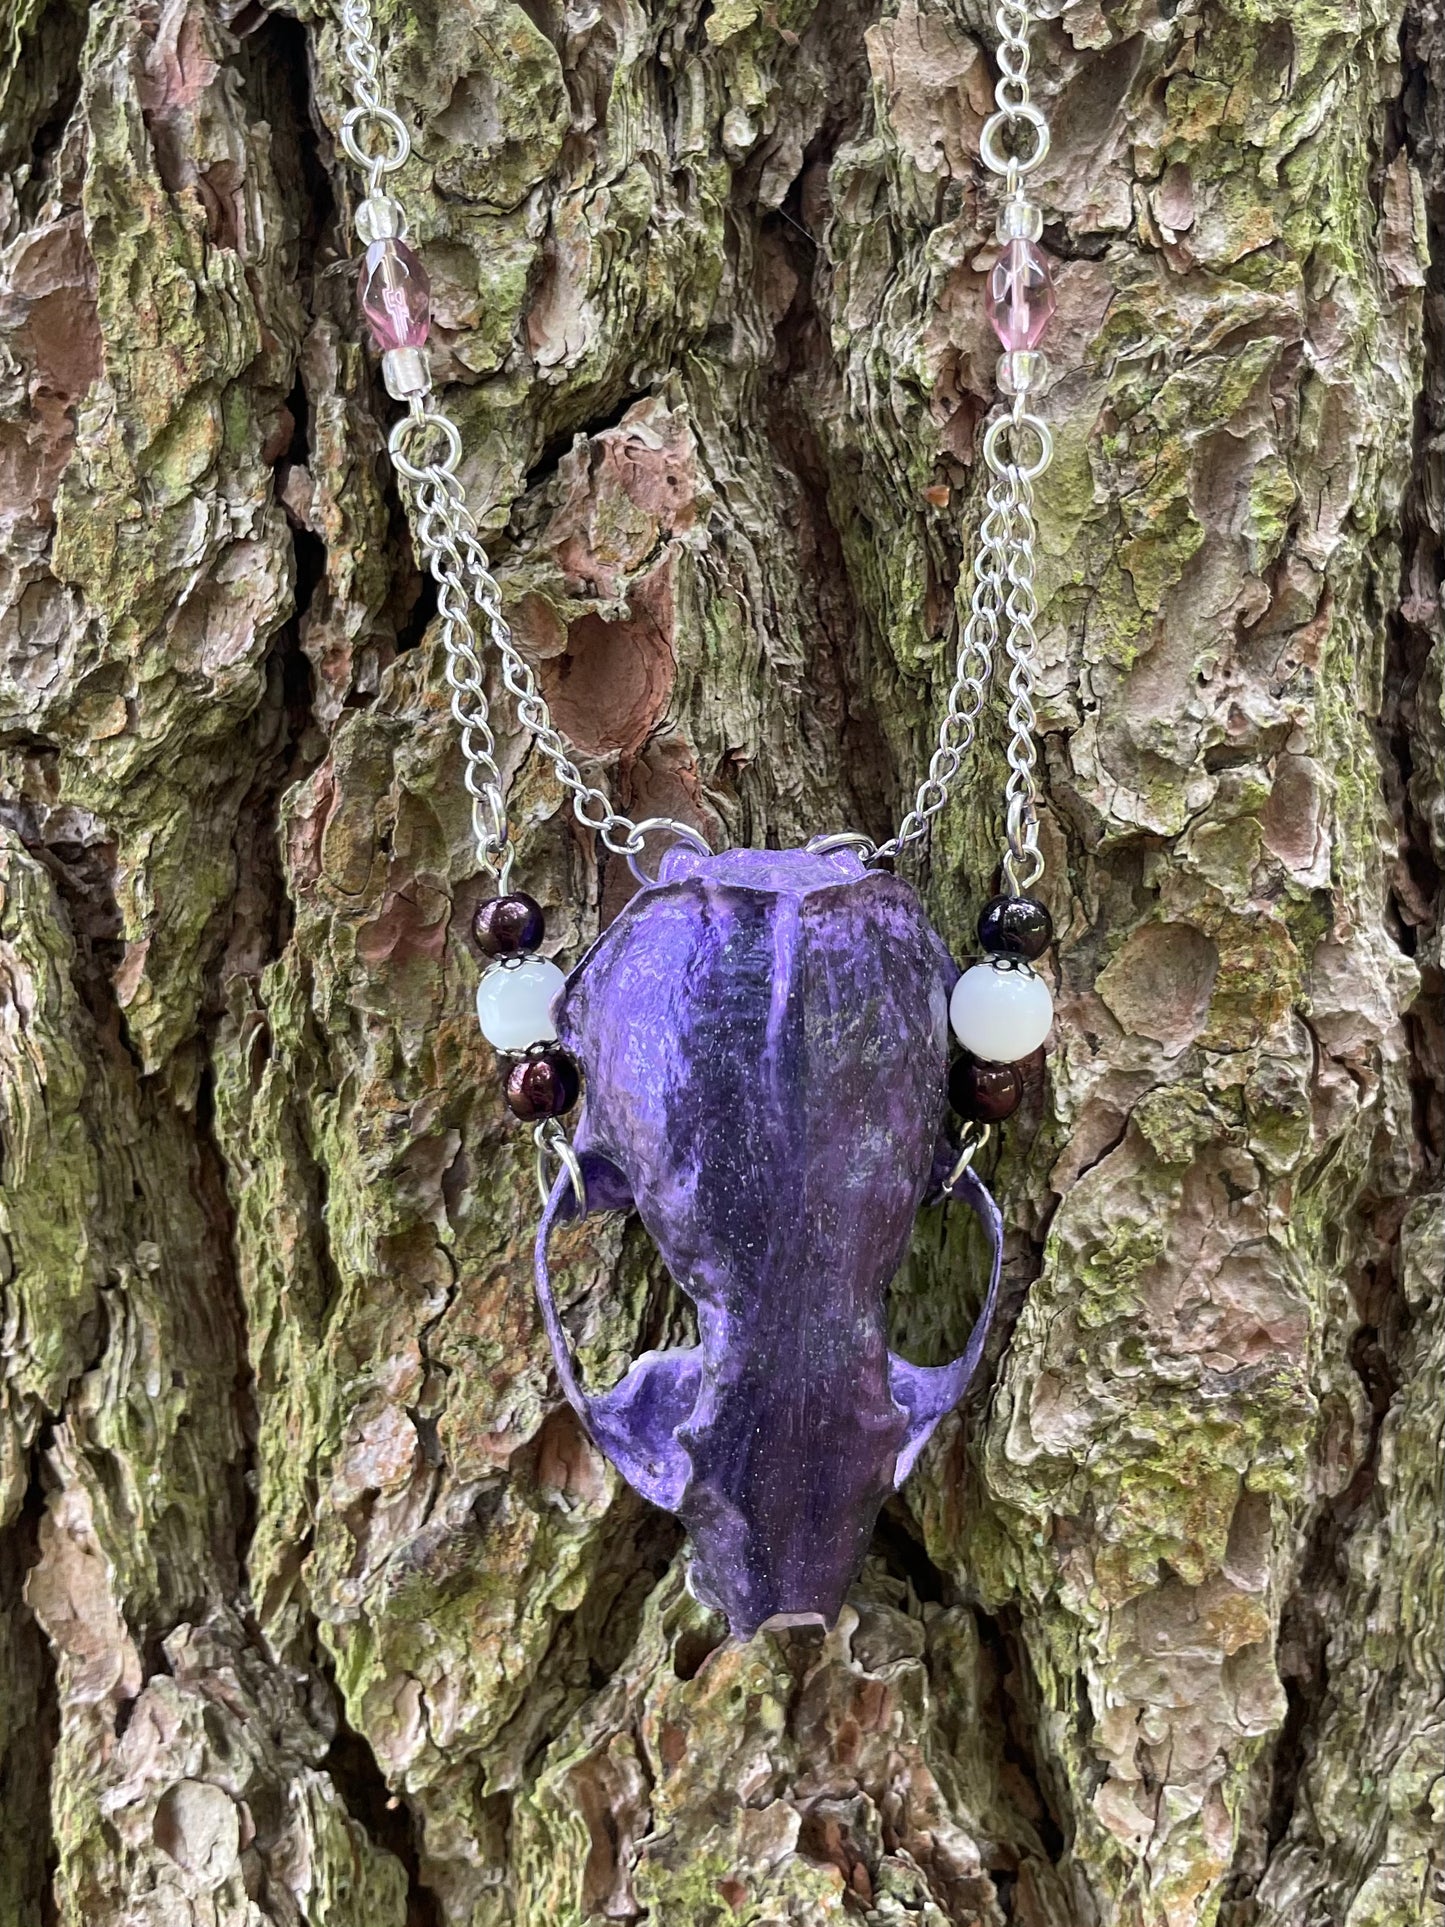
<point>514,1003</point>
<point>1000,1014</point>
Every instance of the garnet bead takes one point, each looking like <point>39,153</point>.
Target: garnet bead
<point>394,295</point>
<point>509,926</point>
<point>1015,927</point>
<point>544,1085</point>
<point>984,1093</point>
<point>1020,295</point>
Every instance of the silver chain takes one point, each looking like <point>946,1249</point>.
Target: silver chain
<point>1013,103</point>
<point>1023,862</point>
<point>976,652</point>
<point>426,449</point>
<point>1020,374</point>
<point>447,536</point>
<point>373,136</point>
<point>1007,535</point>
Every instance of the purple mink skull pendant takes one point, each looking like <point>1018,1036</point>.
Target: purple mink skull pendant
<point>765,1040</point>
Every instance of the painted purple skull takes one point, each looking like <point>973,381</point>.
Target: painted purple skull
<point>765,1041</point>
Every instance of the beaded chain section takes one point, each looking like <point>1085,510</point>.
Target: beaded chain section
<point>1001,1009</point>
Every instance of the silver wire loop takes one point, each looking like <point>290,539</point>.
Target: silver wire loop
<point>1019,881</point>
<point>649,826</point>
<point>552,1142</point>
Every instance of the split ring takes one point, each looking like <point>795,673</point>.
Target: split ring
<point>970,1144</point>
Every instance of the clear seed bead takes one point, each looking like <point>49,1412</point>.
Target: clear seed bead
<point>405,373</point>
<point>1000,1013</point>
<point>394,295</point>
<point>1020,296</point>
<point>1018,220</point>
<point>514,1003</point>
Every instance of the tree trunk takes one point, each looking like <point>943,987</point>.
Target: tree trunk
<point>316,1605</point>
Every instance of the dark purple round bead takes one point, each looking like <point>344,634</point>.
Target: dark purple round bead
<point>509,926</point>
<point>544,1085</point>
<point>1015,927</point>
<point>984,1093</point>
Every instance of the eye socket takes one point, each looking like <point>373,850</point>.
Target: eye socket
<point>607,1188</point>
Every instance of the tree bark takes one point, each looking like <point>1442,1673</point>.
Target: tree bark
<point>315,1604</point>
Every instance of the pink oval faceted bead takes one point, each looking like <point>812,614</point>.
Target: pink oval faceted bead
<point>394,295</point>
<point>1020,298</point>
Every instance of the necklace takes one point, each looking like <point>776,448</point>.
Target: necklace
<point>762,1035</point>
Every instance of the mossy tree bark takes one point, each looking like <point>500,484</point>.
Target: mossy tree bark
<point>315,1605</point>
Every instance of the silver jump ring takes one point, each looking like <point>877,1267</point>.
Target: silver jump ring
<point>1000,426</point>
<point>1018,165</point>
<point>550,1138</point>
<point>683,831</point>
<point>843,840</point>
<point>970,1144</point>
<point>392,124</point>
<point>428,422</point>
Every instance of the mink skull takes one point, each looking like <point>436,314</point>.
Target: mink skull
<point>764,1036</point>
